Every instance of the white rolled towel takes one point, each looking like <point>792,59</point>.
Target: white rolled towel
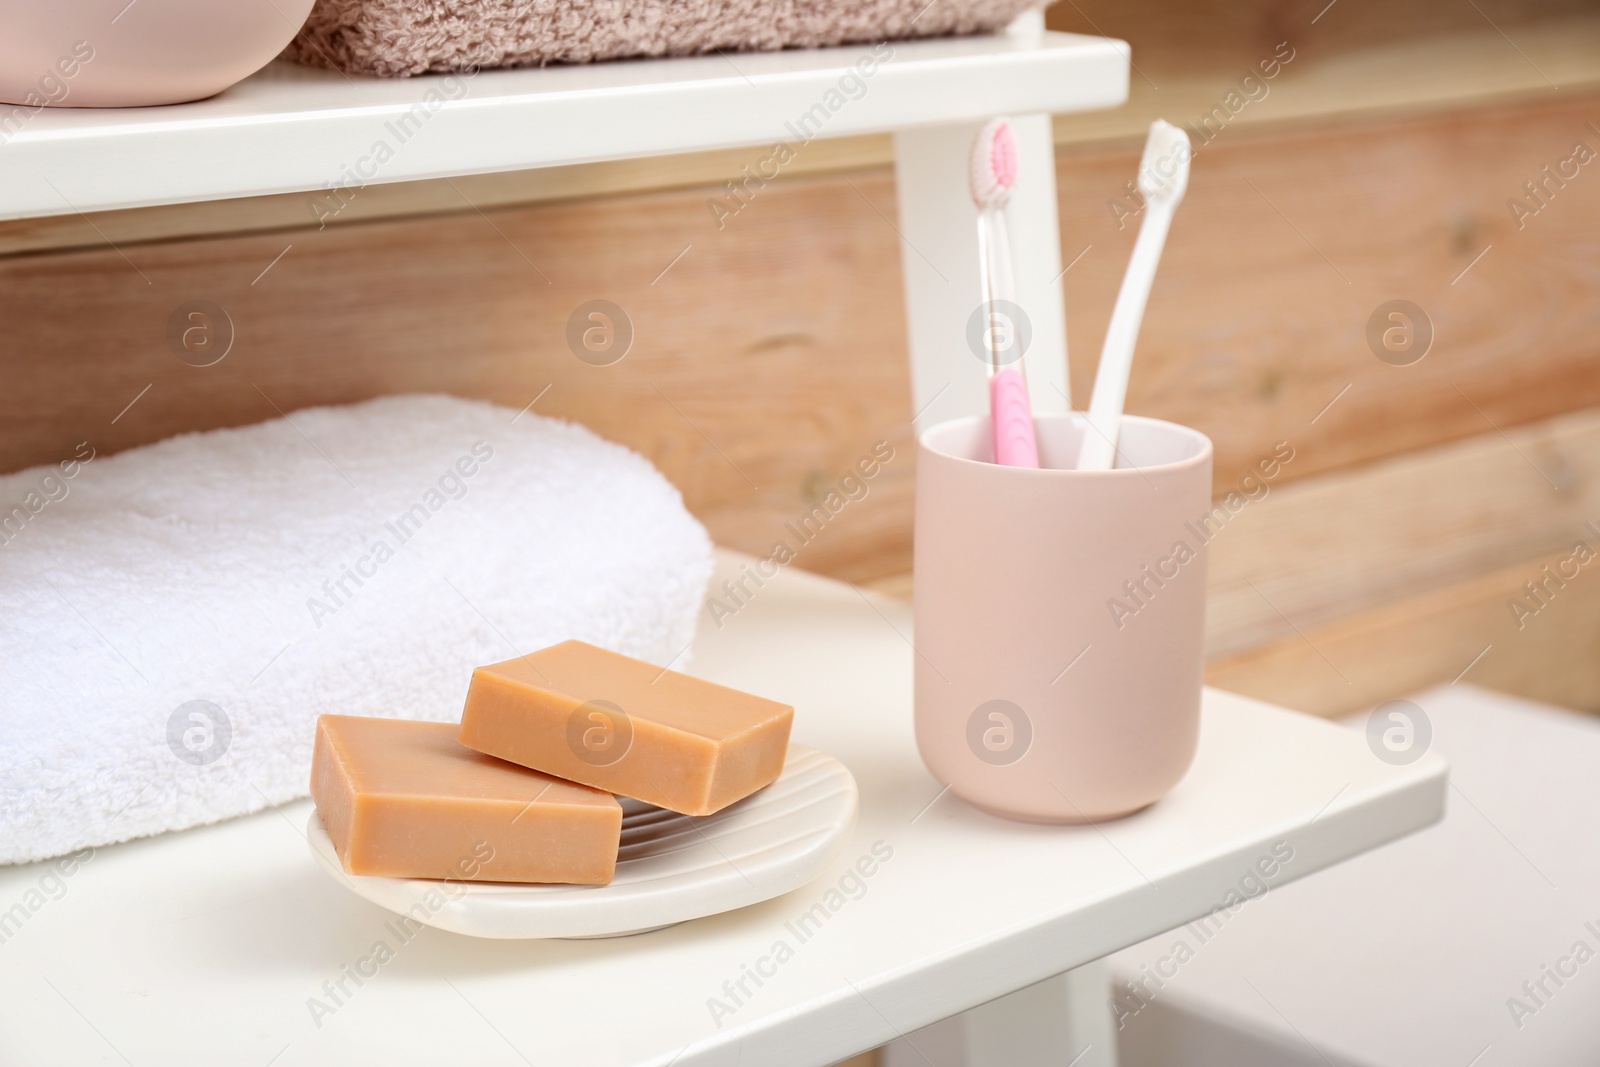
<point>174,618</point>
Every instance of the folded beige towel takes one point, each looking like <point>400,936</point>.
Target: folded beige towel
<point>395,38</point>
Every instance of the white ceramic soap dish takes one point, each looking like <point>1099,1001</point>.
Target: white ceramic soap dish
<point>670,867</point>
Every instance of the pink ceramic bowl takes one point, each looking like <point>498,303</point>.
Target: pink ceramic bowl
<point>113,53</point>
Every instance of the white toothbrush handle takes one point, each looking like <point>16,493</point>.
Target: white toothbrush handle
<point>1099,448</point>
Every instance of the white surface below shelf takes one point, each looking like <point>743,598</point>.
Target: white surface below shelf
<point>1469,928</point>
<point>291,128</point>
<point>209,946</point>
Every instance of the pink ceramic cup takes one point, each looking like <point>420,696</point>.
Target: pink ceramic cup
<point>1060,616</point>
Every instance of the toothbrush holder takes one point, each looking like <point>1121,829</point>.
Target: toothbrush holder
<point>1060,617</point>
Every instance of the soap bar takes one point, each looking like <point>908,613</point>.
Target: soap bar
<point>626,726</point>
<point>404,799</point>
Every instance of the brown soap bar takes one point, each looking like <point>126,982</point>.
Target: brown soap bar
<point>626,726</point>
<point>404,799</point>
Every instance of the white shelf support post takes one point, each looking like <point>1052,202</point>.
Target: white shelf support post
<point>1065,1021</point>
<point>939,257</point>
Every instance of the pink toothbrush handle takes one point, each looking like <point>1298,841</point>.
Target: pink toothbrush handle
<point>1014,444</point>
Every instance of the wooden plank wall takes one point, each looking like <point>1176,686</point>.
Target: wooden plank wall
<point>769,354</point>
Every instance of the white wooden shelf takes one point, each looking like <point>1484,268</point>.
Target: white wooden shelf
<point>208,946</point>
<point>291,128</point>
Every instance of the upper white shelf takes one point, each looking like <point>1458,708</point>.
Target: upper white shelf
<point>290,129</point>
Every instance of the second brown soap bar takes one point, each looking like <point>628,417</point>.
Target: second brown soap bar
<point>626,726</point>
<point>405,800</point>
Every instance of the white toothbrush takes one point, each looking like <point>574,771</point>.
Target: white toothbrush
<point>1163,179</point>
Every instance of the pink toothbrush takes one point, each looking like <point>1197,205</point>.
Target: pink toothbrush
<point>992,172</point>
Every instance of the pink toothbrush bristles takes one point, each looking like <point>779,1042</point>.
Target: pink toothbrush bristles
<point>994,165</point>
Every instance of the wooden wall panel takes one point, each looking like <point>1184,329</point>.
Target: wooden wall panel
<point>1347,59</point>
<point>771,354</point>
<point>1350,541</point>
<point>1286,245</point>
<point>767,357</point>
<point>1195,36</point>
<point>1462,632</point>
<point>1359,586</point>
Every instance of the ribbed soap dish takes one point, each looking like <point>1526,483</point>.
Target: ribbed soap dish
<point>670,868</point>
